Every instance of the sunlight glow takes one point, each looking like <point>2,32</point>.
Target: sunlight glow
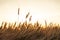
<point>39,10</point>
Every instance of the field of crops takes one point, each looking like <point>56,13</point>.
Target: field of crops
<point>29,32</point>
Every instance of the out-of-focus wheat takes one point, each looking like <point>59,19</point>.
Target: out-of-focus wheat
<point>27,15</point>
<point>29,32</point>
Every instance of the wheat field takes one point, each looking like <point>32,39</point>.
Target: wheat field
<point>29,32</point>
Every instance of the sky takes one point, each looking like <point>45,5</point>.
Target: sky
<point>40,10</point>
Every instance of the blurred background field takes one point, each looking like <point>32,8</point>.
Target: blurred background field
<point>26,31</point>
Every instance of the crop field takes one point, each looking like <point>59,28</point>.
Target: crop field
<point>29,32</point>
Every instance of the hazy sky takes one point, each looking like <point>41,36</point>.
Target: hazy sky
<point>39,9</point>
